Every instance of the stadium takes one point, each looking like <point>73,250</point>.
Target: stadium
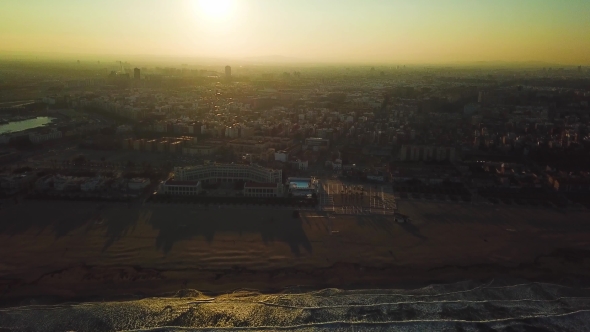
<point>214,172</point>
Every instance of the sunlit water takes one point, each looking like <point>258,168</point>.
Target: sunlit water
<point>16,126</point>
<point>466,306</point>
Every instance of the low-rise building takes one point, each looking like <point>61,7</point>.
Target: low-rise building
<point>256,189</point>
<point>124,129</point>
<point>138,183</point>
<point>9,156</point>
<point>44,137</point>
<point>199,150</point>
<point>376,178</point>
<point>91,184</point>
<point>13,184</point>
<point>180,188</point>
<point>299,164</point>
<point>67,183</point>
<point>317,144</point>
<point>426,153</point>
<point>214,172</point>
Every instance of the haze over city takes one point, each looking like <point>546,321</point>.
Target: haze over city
<point>374,31</point>
<point>294,165</point>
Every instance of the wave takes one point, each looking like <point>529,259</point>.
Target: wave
<point>464,306</point>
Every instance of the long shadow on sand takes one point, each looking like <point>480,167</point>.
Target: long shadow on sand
<point>377,222</point>
<point>59,216</point>
<point>271,225</point>
<point>413,229</point>
<point>124,222</point>
<point>388,225</point>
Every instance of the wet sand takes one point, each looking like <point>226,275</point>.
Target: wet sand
<point>57,251</point>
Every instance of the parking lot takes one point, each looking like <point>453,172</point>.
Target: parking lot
<point>348,197</point>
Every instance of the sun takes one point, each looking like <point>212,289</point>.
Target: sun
<point>216,9</point>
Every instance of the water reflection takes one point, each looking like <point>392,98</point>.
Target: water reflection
<point>17,126</point>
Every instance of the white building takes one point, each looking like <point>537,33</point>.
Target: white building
<point>138,183</point>
<point>91,184</point>
<point>228,173</point>
<point>10,185</point>
<point>281,156</point>
<point>426,153</point>
<point>124,129</point>
<point>180,188</point>
<point>44,137</point>
<point>62,183</point>
<point>48,100</point>
<point>471,109</point>
<point>317,144</point>
<point>376,178</point>
<point>337,164</point>
<point>199,150</point>
<point>299,164</point>
<point>255,189</point>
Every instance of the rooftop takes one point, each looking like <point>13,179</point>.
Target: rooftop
<point>260,185</point>
<point>181,183</point>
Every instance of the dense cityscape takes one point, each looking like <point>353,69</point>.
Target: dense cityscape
<point>503,135</point>
<point>308,166</point>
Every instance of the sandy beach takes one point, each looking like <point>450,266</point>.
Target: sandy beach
<point>58,251</point>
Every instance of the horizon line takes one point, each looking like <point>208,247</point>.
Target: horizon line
<point>268,59</point>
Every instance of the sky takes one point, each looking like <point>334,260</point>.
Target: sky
<point>339,31</point>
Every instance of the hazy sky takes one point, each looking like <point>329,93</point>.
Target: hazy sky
<point>387,31</point>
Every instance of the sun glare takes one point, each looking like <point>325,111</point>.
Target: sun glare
<point>216,9</point>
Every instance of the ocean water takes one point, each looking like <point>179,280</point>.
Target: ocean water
<point>465,306</point>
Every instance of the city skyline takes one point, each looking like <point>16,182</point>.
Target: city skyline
<point>381,32</point>
<point>295,165</point>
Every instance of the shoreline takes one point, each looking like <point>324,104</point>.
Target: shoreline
<point>171,283</point>
<point>56,252</point>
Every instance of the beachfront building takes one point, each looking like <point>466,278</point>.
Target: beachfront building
<point>12,184</point>
<point>302,187</point>
<point>427,153</point>
<point>138,183</point>
<point>37,137</point>
<point>316,144</point>
<point>92,184</point>
<point>255,189</point>
<point>180,188</point>
<point>214,172</point>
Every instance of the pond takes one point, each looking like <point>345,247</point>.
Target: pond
<point>16,126</point>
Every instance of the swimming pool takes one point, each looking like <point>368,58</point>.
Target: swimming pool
<point>300,184</point>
